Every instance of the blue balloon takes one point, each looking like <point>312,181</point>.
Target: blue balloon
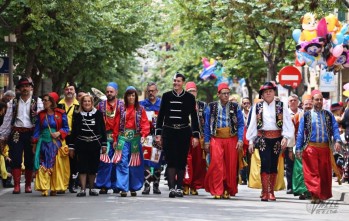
<point>340,38</point>
<point>344,29</point>
<point>296,34</point>
<point>346,39</point>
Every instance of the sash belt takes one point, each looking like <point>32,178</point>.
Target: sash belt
<point>270,134</point>
<point>322,145</point>
<point>23,129</point>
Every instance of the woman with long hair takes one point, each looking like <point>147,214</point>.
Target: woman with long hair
<point>88,138</point>
<point>51,128</point>
<point>131,129</point>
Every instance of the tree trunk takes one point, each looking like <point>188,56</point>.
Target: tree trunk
<point>30,60</point>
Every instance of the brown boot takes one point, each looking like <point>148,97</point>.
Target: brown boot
<point>265,181</point>
<point>16,173</point>
<point>28,181</point>
<point>272,180</point>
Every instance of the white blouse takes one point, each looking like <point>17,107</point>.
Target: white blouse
<point>269,122</point>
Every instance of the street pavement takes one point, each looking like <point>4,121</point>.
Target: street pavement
<point>245,205</point>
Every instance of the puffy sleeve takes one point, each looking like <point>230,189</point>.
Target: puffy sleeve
<point>145,126</point>
<point>36,133</point>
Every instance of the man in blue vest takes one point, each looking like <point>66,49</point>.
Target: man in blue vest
<point>224,130</point>
<point>270,130</point>
<point>317,130</point>
<point>20,121</point>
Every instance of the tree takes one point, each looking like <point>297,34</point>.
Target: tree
<point>252,38</point>
<point>87,41</point>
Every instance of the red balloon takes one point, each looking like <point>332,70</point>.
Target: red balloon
<point>330,61</point>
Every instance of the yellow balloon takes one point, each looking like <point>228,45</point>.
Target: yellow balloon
<point>346,93</point>
<point>212,61</point>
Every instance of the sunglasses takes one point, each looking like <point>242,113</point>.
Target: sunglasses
<point>45,100</point>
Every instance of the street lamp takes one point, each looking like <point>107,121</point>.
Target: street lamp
<point>11,40</point>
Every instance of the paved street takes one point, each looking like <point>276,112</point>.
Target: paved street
<point>245,205</point>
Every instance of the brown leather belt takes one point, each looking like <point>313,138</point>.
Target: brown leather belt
<point>270,134</point>
<point>322,145</point>
<point>22,129</point>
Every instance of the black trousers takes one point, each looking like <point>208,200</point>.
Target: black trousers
<point>269,150</point>
<point>176,146</point>
<point>19,143</point>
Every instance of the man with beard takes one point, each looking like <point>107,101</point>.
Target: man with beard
<point>106,175</point>
<point>317,130</point>
<point>70,104</point>
<point>19,124</point>
<point>172,128</point>
<point>152,106</point>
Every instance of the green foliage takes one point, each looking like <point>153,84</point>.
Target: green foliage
<point>250,37</point>
<point>90,42</point>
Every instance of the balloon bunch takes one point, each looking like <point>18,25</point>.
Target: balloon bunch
<point>324,43</point>
<point>208,72</point>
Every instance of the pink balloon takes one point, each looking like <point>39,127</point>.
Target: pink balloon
<point>337,51</point>
<point>205,62</point>
<point>346,86</point>
<point>322,28</point>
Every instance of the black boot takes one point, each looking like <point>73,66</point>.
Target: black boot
<point>147,178</point>
<point>7,183</point>
<point>156,181</point>
<point>72,184</point>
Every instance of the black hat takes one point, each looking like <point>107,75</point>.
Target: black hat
<point>266,86</point>
<point>69,84</point>
<point>24,81</point>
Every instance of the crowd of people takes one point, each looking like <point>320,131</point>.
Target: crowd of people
<point>123,145</point>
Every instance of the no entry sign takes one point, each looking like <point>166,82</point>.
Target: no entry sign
<point>290,76</point>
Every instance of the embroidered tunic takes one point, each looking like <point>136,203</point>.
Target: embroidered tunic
<point>218,116</point>
<point>131,119</point>
<point>269,117</point>
<point>317,127</point>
